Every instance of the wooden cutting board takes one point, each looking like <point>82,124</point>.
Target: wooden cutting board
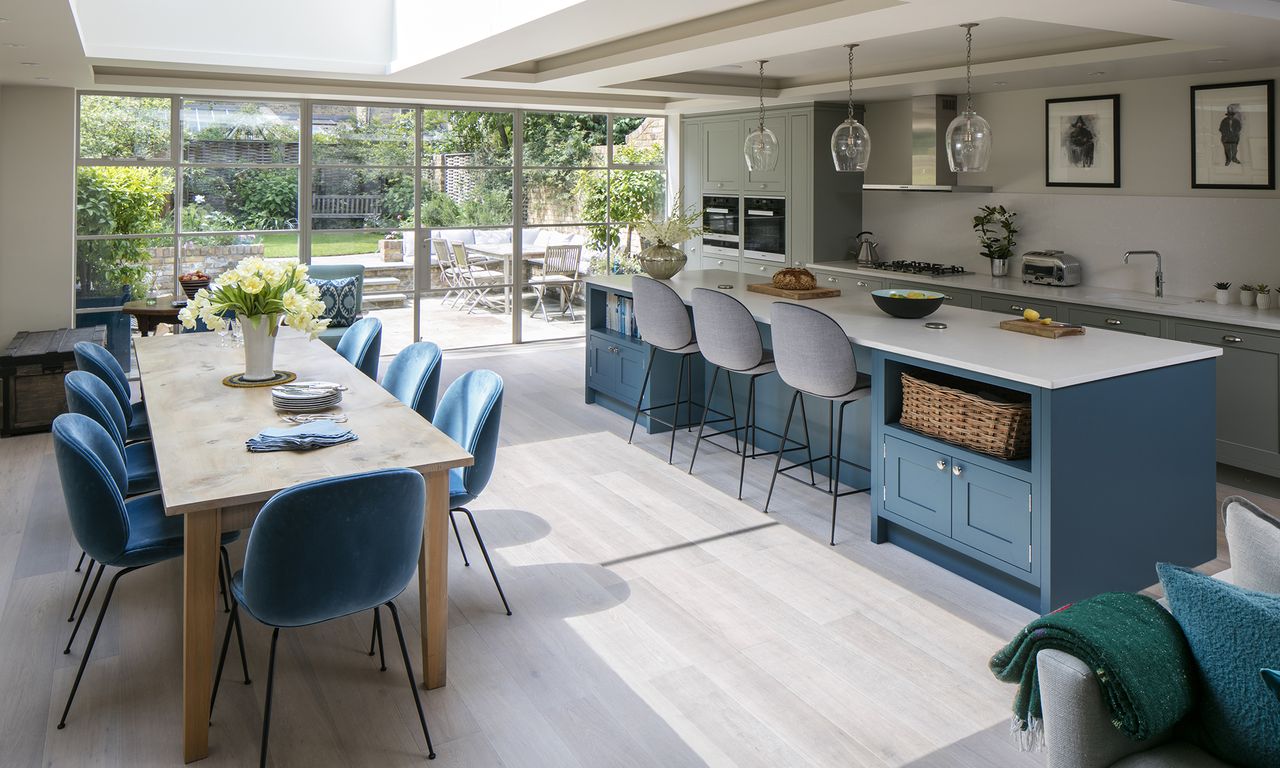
<point>812,293</point>
<point>1053,331</point>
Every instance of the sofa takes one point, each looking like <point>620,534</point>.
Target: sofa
<point>333,335</point>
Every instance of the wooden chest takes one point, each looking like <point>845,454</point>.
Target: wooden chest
<point>31,371</point>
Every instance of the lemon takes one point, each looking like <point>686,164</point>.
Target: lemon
<point>915,295</point>
<point>1046,321</point>
<point>1030,314</point>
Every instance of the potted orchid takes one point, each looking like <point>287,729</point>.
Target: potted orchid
<point>259,291</point>
<point>660,258</point>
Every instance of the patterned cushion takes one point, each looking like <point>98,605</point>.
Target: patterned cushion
<point>339,297</point>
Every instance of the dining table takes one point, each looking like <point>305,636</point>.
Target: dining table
<point>199,426</point>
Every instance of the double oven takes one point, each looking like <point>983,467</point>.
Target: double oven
<point>756,227</point>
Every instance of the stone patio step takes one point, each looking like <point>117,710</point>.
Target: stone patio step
<point>373,284</point>
<point>383,300</point>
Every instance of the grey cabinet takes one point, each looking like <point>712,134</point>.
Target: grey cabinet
<point>719,262</point>
<point>1248,394</point>
<point>799,189</point>
<point>848,284</point>
<point>776,179</point>
<point>760,268</point>
<point>723,164</point>
<point>1110,319</point>
<point>1013,305</point>
<point>691,182</point>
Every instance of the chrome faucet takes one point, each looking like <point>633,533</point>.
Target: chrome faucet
<point>1159,268</point>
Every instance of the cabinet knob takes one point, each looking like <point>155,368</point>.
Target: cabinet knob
<point>833,279</point>
<point>956,470</point>
<point>942,465</point>
<point>1232,339</point>
<point>945,297</point>
<point>614,350</point>
<point>720,263</point>
<point>1113,321</point>
<point>1017,307</point>
<point>763,269</point>
<point>861,283</point>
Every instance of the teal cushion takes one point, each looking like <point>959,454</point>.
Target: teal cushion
<point>341,302</point>
<point>1233,632</point>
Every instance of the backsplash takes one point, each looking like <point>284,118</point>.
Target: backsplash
<point>1202,239</point>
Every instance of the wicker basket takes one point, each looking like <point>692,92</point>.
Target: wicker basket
<point>999,429</point>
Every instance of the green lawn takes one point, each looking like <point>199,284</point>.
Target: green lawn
<point>282,245</point>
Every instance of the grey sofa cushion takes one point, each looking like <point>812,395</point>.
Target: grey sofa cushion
<point>1253,539</point>
<point>1177,754</point>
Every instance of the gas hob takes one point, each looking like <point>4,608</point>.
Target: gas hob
<point>917,268</point>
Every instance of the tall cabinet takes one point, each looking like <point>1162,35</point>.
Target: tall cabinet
<point>824,208</point>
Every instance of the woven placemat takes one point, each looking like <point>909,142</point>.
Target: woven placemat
<point>281,377</point>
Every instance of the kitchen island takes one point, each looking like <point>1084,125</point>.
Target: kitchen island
<point>1121,472</point>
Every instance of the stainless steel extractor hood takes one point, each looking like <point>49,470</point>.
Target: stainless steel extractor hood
<point>930,172</point>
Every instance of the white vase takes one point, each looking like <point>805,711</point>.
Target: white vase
<point>1222,295</point>
<point>1246,298</point>
<point>1264,300</point>
<point>259,346</point>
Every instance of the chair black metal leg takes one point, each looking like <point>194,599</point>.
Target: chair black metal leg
<point>688,388</point>
<point>222,587</point>
<point>226,564</point>
<point>833,466</point>
<point>786,430</point>
<point>85,608</point>
<point>835,496</point>
<point>808,442</point>
<point>377,635</point>
<point>233,623</point>
<point>484,551</point>
<point>675,410</point>
<point>83,582</point>
<point>373,631</point>
<point>458,538</point>
<point>413,685</point>
<point>733,410</point>
<point>746,433</point>
<point>93,637</point>
<point>266,712</point>
<point>80,562</point>
<point>715,375</point>
<point>653,352</point>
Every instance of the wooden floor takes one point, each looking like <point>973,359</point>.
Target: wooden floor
<point>658,622</point>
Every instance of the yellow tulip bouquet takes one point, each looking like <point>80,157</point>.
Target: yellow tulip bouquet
<point>259,287</point>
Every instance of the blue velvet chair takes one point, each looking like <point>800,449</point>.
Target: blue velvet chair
<point>95,359</point>
<point>470,412</point>
<point>125,534</point>
<point>361,345</point>
<point>414,377</point>
<point>327,549</point>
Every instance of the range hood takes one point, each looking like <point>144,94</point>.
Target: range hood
<point>930,172</point>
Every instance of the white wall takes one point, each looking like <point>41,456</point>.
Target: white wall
<point>37,208</point>
<point>1204,235</point>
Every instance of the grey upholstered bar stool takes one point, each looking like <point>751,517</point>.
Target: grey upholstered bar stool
<point>731,342</point>
<point>663,322</point>
<point>814,356</point>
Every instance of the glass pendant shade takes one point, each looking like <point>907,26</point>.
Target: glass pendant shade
<point>968,143</point>
<point>850,146</point>
<point>761,150</point>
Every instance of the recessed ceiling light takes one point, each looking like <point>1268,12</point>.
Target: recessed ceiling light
<point>1219,61</point>
<point>13,45</point>
<point>1099,73</point>
<point>30,63</point>
<point>1001,82</point>
<point>3,20</point>
<point>42,78</point>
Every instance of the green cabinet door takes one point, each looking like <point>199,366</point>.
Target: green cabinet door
<point>723,164</point>
<point>991,512</point>
<point>917,484</point>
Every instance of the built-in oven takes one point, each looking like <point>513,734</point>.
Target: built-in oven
<point>720,225</point>
<point>764,228</point>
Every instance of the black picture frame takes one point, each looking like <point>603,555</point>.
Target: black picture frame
<point>1255,103</point>
<point>1095,162</point>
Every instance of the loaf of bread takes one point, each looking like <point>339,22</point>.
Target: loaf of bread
<point>794,280</point>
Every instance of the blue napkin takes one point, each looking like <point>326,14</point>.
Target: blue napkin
<point>303,437</point>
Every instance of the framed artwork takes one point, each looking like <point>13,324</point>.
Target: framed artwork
<point>1233,136</point>
<point>1082,142</point>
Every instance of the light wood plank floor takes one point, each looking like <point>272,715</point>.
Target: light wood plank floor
<point>658,622</point>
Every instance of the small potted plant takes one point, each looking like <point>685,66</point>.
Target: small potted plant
<point>391,246</point>
<point>1222,292</point>
<point>996,229</point>
<point>660,258</point>
<point>1247,292</point>
<point>1263,295</point>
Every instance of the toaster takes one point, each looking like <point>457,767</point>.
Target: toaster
<point>1051,268</point>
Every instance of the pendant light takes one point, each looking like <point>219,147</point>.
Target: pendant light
<point>850,141</point>
<point>968,136</point>
<point>761,146</point>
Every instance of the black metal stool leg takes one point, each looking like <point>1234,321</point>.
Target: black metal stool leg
<point>835,497</point>
<point>711,393</point>
<point>484,551</point>
<point>733,410</point>
<point>808,443</point>
<point>653,352</point>
<point>675,410</point>
<point>786,430</point>
<point>93,638</point>
<point>458,537</point>
<point>83,582</point>
<point>85,608</point>
<point>413,684</point>
<point>747,445</point>
<point>266,712</point>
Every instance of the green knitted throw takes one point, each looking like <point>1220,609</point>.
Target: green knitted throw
<point>1134,646</point>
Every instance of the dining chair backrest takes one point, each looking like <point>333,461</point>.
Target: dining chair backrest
<point>441,250</point>
<point>469,412</point>
<point>460,260</point>
<point>361,344</point>
<point>90,396</point>
<point>727,333</point>
<point>812,352</point>
<point>414,377</point>
<point>661,316</point>
<point>562,260</point>
<point>333,547</point>
<point>95,359</point>
<point>94,481</point>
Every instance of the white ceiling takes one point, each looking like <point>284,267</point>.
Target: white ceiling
<point>643,54</point>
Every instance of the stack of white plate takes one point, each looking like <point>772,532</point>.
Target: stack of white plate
<point>306,396</point>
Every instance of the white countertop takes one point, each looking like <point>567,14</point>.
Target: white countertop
<point>972,341</point>
<point>1091,295</point>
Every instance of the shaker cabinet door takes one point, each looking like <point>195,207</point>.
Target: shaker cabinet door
<point>917,484</point>
<point>991,512</point>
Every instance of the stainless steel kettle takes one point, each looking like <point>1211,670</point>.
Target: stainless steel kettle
<point>867,253</point>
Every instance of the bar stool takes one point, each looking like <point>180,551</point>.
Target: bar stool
<point>663,322</point>
<point>731,342</point>
<point>814,357</point>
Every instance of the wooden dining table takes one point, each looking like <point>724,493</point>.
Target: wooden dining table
<point>199,427</point>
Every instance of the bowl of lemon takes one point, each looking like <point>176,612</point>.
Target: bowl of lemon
<point>908,304</point>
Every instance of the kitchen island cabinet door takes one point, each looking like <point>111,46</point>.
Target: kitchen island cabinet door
<point>917,484</point>
<point>723,164</point>
<point>991,512</point>
<point>1248,395</point>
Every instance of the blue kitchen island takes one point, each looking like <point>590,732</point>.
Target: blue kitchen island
<point>1121,472</point>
